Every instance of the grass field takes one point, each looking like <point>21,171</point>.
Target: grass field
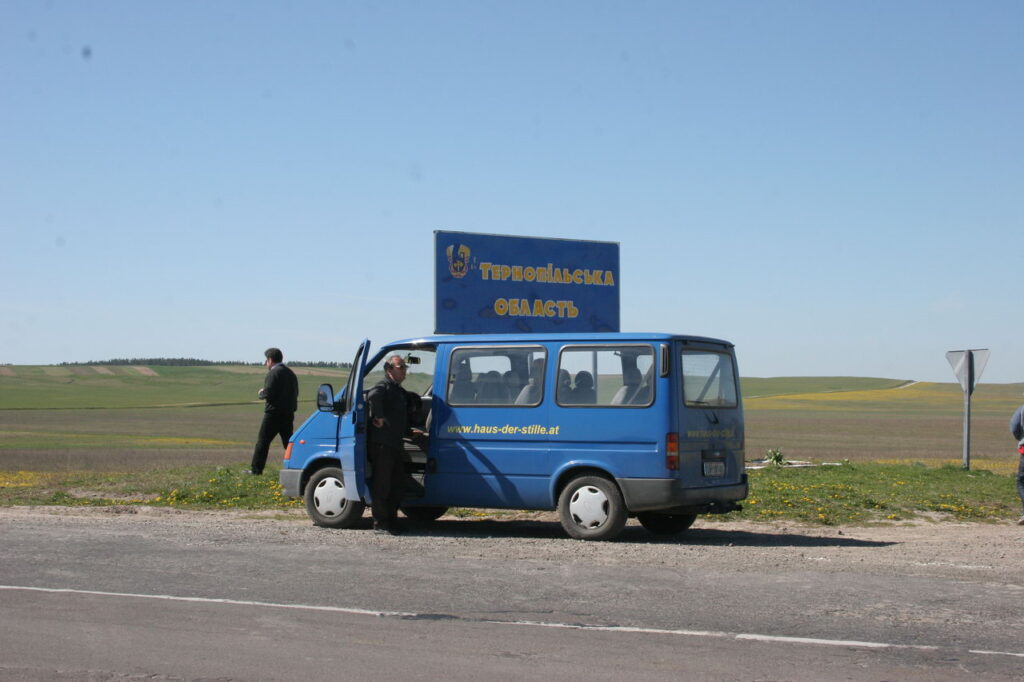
<point>120,418</point>
<point>179,435</point>
<point>917,422</point>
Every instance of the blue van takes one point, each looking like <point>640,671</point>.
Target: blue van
<point>599,427</point>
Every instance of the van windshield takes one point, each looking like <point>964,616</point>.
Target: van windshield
<point>709,379</point>
<point>420,376</point>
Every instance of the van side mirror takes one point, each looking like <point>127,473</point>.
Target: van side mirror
<point>325,398</point>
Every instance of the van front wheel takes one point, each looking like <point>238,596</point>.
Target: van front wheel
<point>591,508</point>
<point>326,503</point>
<point>665,524</point>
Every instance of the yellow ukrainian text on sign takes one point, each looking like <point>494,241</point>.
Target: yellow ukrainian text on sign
<point>522,307</point>
<point>546,274</point>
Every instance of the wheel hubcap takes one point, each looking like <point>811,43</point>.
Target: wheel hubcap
<point>589,507</point>
<point>329,497</point>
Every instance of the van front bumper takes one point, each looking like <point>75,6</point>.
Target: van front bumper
<point>291,481</point>
<point>671,495</point>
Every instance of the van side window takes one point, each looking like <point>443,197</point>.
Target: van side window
<point>709,379</point>
<point>489,376</point>
<point>606,376</point>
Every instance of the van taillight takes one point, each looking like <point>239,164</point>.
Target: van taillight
<point>288,452</point>
<point>672,452</point>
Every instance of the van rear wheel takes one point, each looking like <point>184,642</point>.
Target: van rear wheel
<point>665,524</point>
<point>591,508</point>
<point>326,503</point>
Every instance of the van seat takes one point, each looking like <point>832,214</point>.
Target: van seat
<point>631,379</point>
<point>492,389</point>
<point>583,392</point>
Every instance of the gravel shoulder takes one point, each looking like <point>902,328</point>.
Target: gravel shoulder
<point>962,551</point>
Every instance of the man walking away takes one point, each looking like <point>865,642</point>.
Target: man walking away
<point>281,391</point>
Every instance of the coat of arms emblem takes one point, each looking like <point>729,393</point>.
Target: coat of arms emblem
<point>458,260</point>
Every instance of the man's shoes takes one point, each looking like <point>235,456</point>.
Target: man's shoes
<point>1020,521</point>
<point>250,472</point>
<point>387,529</point>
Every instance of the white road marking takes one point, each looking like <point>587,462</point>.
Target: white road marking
<point>993,653</point>
<point>207,600</point>
<point>521,623</point>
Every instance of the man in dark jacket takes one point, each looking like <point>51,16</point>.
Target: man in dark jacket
<point>390,406</point>
<point>281,391</point>
<point>1017,429</point>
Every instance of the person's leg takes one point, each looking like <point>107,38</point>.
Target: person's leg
<point>286,427</point>
<point>383,471</point>
<point>268,429</point>
<point>1020,483</point>
<point>399,484</point>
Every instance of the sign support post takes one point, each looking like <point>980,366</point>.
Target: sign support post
<point>967,366</point>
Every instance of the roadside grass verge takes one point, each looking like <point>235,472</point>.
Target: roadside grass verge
<point>867,492</point>
<point>847,494</point>
<point>195,487</point>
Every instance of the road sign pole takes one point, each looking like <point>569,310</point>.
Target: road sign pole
<point>967,366</point>
<point>967,430</point>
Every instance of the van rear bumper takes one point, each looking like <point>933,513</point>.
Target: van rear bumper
<point>291,481</point>
<point>662,494</point>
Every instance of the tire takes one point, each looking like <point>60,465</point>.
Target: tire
<point>326,503</point>
<point>424,514</point>
<point>665,524</point>
<point>591,508</point>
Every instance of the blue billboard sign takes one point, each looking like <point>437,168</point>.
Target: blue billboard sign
<point>486,283</point>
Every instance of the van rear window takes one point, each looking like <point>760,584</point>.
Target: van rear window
<point>606,376</point>
<point>709,379</point>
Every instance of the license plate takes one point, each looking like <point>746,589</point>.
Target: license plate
<point>714,469</point>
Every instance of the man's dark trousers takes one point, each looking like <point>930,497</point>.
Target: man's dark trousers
<point>388,482</point>
<point>274,424</point>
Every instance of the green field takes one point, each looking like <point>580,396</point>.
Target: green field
<point>880,420</point>
<point>108,418</point>
<point>118,387</point>
<point>179,435</point>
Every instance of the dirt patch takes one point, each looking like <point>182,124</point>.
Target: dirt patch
<point>314,371</point>
<point>80,494</point>
<point>240,369</point>
<point>102,370</point>
<point>7,372</point>
<point>145,371</point>
<point>300,371</point>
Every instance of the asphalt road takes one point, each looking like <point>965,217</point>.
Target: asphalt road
<point>163,595</point>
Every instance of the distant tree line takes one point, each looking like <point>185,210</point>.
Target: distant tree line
<point>195,362</point>
<point>319,363</point>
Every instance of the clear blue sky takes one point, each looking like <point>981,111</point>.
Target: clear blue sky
<point>836,187</point>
